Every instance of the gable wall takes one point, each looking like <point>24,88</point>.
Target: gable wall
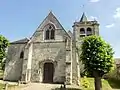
<point>48,52</point>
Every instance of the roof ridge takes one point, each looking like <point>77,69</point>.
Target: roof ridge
<point>24,40</point>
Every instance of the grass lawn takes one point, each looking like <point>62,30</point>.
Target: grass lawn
<point>1,86</point>
<point>1,76</point>
<point>105,84</point>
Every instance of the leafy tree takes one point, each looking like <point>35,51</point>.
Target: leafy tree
<point>97,57</point>
<point>4,43</point>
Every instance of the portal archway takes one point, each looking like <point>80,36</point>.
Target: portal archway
<point>48,72</point>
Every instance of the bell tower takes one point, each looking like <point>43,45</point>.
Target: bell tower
<point>84,27</point>
<point>81,29</point>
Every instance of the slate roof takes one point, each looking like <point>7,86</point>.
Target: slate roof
<point>25,40</point>
<point>83,18</point>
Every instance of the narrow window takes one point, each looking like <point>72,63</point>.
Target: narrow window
<point>22,55</point>
<point>52,34</point>
<point>47,34</point>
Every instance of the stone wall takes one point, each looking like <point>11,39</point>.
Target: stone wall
<point>39,51</point>
<point>48,52</point>
<point>13,66</point>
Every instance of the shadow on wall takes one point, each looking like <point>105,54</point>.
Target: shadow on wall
<point>12,67</point>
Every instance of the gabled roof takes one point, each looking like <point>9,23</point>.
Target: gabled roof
<point>83,18</point>
<point>51,19</point>
<point>25,40</point>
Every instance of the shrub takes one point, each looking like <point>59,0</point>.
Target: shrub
<point>85,83</point>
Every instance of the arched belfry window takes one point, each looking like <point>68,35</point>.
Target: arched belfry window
<point>22,55</point>
<point>89,31</point>
<point>49,32</point>
<point>82,31</point>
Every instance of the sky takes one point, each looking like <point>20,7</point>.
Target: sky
<point>20,18</point>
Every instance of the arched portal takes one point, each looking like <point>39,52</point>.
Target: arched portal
<point>48,73</point>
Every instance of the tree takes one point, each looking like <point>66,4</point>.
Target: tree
<point>97,57</point>
<point>4,43</point>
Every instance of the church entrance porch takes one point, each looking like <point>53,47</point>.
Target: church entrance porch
<point>48,73</point>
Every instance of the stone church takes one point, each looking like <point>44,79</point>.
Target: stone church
<point>50,55</point>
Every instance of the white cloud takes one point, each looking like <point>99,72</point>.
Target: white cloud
<point>93,18</point>
<point>110,25</point>
<point>94,1</point>
<point>117,13</point>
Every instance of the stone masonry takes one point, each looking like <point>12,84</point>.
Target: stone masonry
<point>50,55</point>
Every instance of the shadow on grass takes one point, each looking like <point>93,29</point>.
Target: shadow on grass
<point>114,83</point>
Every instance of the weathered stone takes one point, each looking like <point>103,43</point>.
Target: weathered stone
<point>47,60</point>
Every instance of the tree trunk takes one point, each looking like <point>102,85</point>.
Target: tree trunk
<point>98,83</point>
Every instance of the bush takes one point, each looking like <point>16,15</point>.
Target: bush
<point>85,83</point>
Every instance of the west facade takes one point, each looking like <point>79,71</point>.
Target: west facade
<point>50,55</point>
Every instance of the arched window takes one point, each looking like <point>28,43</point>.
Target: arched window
<point>82,31</point>
<point>89,31</point>
<point>50,32</point>
<point>22,55</point>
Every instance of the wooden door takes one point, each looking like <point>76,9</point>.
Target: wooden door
<point>48,73</point>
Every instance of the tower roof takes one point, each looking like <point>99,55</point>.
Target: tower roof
<point>83,18</point>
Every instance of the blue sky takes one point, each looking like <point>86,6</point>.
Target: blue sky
<point>20,18</point>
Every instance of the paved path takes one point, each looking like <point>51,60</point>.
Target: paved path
<point>39,86</point>
<point>36,86</point>
<point>42,86</point>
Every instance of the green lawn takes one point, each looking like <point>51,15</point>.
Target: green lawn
<point>1,76</point>
<point>105,84</point>
<point>1,86</point>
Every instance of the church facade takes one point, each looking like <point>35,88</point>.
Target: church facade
<point>50,55</point>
